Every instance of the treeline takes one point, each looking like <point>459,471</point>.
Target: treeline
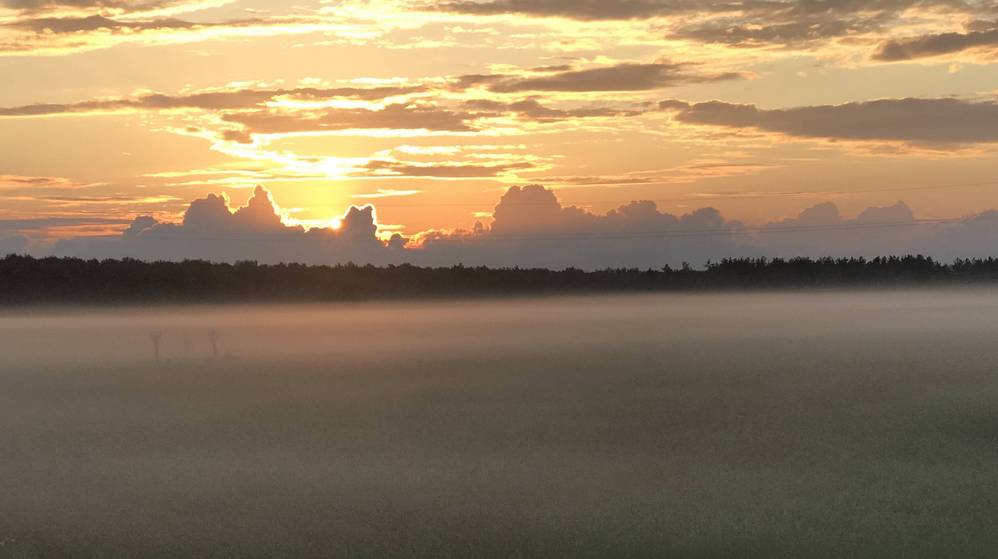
<point>27,280</point>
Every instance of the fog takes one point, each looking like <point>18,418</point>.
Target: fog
<point>826,424</point>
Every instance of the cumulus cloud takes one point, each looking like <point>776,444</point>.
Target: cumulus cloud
<point>890,230</point>
<point>899,213</point>
<point>17,244</point>
<point>821,231</point>
<point>532,228</point>
<point>211,230</point>
<point>914,121</point>
<point>975,236</point>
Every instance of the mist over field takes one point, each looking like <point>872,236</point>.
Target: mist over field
<point>805,424</point>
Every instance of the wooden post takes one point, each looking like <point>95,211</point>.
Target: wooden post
<point>213,336</point>
<point>155,337</point>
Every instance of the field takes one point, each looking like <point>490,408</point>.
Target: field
<point>770,425</point>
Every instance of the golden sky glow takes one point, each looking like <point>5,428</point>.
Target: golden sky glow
<point>428,110</point>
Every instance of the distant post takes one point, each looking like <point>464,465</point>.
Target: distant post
<point>156,337</point>
<point>213,336</point>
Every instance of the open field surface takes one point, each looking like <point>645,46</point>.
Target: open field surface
<point>779,425</point>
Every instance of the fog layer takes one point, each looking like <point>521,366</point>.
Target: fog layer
<point>779,425</point>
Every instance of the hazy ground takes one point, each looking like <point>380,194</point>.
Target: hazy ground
<point>773,425</point>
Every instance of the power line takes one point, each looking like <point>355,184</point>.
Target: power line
<point>701,198</point>
<point>731,231</point>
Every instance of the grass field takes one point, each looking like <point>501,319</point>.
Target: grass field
<point>741,425</point>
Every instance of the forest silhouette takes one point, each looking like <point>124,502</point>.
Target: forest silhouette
<point>29,280</point>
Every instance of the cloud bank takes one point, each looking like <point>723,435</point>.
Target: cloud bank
<point>531,228</point>
<point>212,231</point>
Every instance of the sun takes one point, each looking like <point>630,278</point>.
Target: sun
<point>334,224</point>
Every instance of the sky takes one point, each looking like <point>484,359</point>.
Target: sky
<point>409,130</point>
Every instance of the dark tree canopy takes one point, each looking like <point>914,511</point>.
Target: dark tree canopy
<point>27,280</point>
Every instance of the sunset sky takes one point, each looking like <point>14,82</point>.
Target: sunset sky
<point>430,109</point>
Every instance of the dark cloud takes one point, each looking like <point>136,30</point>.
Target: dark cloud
<point>24,236</point>
<point>248,109</point>
<point>62,25</point>
<point>215,100</point>
<point>621,77</point>
<point>916,121</point>
<point>44,30</point>
<point>632,9</point>
<point>584,9</point>
<point>35,224</point>
<point>736,23</point>
<point>936,45</point>
<point>532,109</point>
<point>471,80</point>
<point>789,33</point>
<point>239,136</point>
<point>118,5</point>
<point>18,181</point>
<point>800,22</point>
<point>393,117</point>
<point>552,68</point>
<point>442,170</point>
